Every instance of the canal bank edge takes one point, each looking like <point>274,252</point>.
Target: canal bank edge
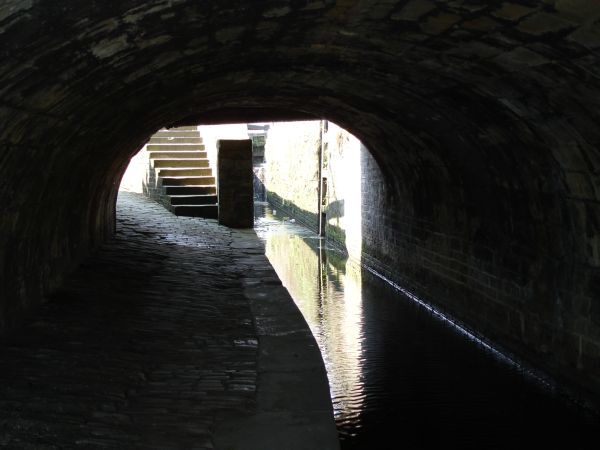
<point>294,410</point>
<point>574,391</point>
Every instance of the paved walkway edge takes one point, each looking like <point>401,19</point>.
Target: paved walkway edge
<point>294,410</point>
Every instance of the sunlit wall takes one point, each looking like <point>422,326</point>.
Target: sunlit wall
<point>292,168</point>
<point>293,152</point>
<point>342,168</point>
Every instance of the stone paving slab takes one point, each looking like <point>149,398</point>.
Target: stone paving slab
<point>166,338</point>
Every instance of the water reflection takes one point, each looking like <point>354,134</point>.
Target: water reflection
<point>327,289</point>
<point>399,376</point>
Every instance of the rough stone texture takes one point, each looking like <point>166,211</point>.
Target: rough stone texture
<point>344,202</point>
<point>487,138</point>
<point>293,184</point>
<point>292,169</point>
<point>156,342</point>
<point>235,184</point>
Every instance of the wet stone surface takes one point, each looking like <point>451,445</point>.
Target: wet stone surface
<point>150,344</point>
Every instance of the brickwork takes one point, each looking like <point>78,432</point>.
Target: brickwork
<point>482,117</point>
<point>458,277</point>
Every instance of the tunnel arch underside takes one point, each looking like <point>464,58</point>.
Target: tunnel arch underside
<point>486,139</point>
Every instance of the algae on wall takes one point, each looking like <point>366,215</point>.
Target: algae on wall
<point>292,171</point>
<point>292,165</point>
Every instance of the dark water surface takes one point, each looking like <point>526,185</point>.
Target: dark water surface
<point>402,378</point>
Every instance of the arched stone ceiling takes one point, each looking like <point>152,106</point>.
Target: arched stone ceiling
<point>483,116</point>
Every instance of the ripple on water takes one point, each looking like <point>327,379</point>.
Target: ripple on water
<point>400,373</point>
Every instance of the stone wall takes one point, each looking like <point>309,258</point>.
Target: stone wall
<point>292,177</point>
<point>482,117</point>
<point>476,281</point>
<point>343,204</point>
<point>291,169</point>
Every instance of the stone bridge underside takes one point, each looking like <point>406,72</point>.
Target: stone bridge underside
<point>483,116</point>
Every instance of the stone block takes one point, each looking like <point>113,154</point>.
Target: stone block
<point>587,37</point>
<point>544,23</point>
<point>577,9</point>
<point>438,24</point>
<point>414,10</point>
<point>512,12</point>
<point>520,58</point>
<point>235,184</point>
<point>484,24</point>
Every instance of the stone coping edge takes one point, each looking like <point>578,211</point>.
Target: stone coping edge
<point>294,410</point>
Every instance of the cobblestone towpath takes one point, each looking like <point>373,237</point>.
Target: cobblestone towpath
<point>176,334</point>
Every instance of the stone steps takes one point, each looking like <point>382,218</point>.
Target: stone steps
<point>190,190</point>
<point>193,199</point>
<point>178,155</point>
<point>185,172</point>
<point>206,211</point>
<point>178,147</point>
<point>177,133</point>
<point>175,140</point>
<point>183,163</point>
<point>187,181</point>
<point>181,173</point>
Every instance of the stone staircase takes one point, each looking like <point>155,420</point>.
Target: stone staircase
<point>179,175</point>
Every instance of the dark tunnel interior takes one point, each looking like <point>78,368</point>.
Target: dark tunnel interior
<point>483,117</point>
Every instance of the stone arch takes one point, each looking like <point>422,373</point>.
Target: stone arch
<point>483,115</point>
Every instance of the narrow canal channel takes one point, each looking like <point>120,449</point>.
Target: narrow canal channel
<point>399,376</point>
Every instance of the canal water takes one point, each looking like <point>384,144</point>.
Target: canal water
<point>401,376</point>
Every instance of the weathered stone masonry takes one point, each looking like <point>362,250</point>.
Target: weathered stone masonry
<point>291,169</point>
<point>292,178</point>
<point>235,183</point>
<point>481,115</point>
<point>361,217</point>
